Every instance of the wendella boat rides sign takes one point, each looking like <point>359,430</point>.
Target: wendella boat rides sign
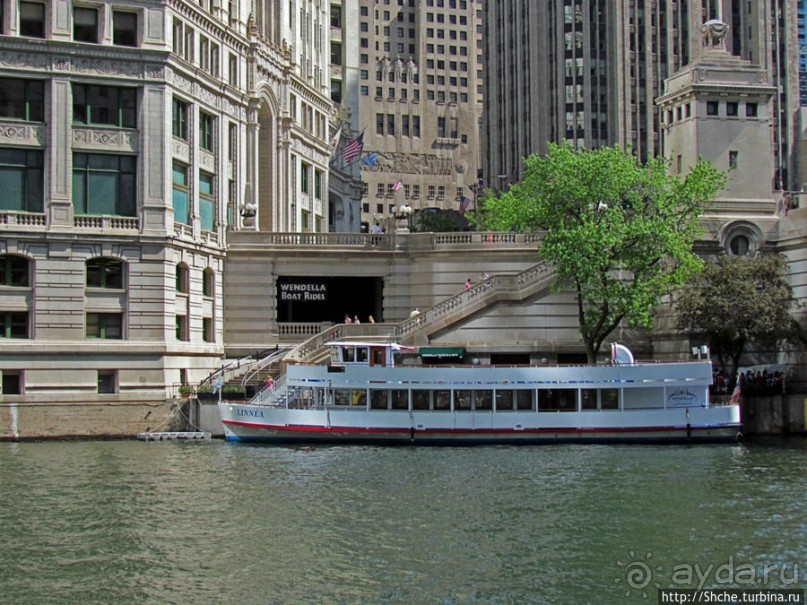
<point>311,291</point>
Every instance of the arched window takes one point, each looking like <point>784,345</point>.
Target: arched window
<point>739,245</point>
<point>182,278</point>
<point>105,273</point>
<point>208,283</point>
<point>14,271</point>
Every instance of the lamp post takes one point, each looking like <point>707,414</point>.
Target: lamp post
<point>403,218</point>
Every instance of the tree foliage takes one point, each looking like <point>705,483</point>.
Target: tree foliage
<point>618,233</point>
<point>736,301</point>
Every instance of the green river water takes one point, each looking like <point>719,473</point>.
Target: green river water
<point>210,522</point>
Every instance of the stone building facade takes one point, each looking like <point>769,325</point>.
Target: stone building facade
<point>133,138</point>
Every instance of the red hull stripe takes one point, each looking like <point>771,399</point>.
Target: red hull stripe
<point>565,430</point>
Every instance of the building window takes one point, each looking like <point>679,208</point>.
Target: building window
<point>379,191</point>
<point>124,28</point>
<point>733,159</point>
<point>711,108</point>
<point>379,123</point>
<point>739,245</point>
<point>104,184</point>
<point>107,381</point>
<point>206,125</point>
<point>105,105</point>
<point>441,192</point>
<point>415,191</point>
<point>207,330</point>
<point>207,201</point>
<point>14,324</point>
<point>108,326</point>
<point>405,125</point>
<point>14,271</point>
<point>22,99</point>
<point>416,126</point>
<point>304,169</point>
<point>179,120</point>
<point>431,192</point>
<point>182,278</point>
<point>208,283</point>
<point>85,24</point>
<point>104,273</point>
<point>390,124</point>
<point>181,327</point>
<point>317,184</point>
<point>181,194</point>
<point>233,70</point>
<point>12,382</point>
<point>732,108</point>
<point>21,180</point>
<point>751,110</point>
<point>32,19</point>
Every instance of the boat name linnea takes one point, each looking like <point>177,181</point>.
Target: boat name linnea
<point>308,292</point>
<point>248,412</point>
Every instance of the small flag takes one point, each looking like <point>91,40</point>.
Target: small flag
<point>397,185</point>
<point>464,203</point>
<point>370,160</point>
<point>353,149</point>
<point>735,395</point>
<point>217,386</point>
<point>335,139</point>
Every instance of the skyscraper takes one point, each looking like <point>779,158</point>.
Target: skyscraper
<point>588,71</point>
<point>410,72</point>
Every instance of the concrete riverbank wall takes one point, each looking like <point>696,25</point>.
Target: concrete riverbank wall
<point>774,414</point>
<point>73,420</point>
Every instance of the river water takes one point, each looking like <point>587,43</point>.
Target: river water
<point>211,522</point>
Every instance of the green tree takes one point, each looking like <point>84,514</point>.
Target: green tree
<point>618,233</point>
<point>736,301</point>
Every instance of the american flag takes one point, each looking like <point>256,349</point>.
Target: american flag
<point>397,185</point>
<point>353,149</point>
<point>464,203</point>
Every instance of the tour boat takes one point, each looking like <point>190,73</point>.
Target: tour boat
<point>381,393</point>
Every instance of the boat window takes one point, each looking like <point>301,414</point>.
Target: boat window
<point>348,353</point>
<point>400,399</point>
<point>359,397</point>
<point>361,354</point>
<point>462,399</point>
<point>484,400</point>
<point>335,355</point>
<point>341,397</point>
<point>504,400</point>
<point>379,399</point>
<point>420,400</point>
<point>609,399</point>
<point>588,399</point>
<point>442,399</point>
<point>525,399</point>
<point>557,400</point>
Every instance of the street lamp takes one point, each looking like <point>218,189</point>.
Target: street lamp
<point>402,214</point>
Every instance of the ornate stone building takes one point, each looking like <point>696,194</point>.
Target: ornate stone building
<point>410,73</point>
<point>133,139</point>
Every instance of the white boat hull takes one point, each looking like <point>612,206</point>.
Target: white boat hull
<point>334,424</point>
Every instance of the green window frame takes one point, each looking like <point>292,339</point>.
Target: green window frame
<point>22,180</point>
<point>183,278</point>
<point>97,105</point>
<point>206,129</point>
<point>14,271</point>
<point>317,183</point>
<point>105,273</point>
<point>181,194</point>
<point>106,326</point>
<point>14,324</point>
<point>304,177</point>
<point>207,201</point>
<point>104,184</point>
<point>179,119</point>
<point>22,99</point>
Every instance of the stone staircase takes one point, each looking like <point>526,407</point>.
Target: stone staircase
<point>414,331</point>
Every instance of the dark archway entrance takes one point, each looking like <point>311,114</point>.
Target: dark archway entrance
<point>325,298</point>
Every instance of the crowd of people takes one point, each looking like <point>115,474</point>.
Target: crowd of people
<point>760,382</point>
